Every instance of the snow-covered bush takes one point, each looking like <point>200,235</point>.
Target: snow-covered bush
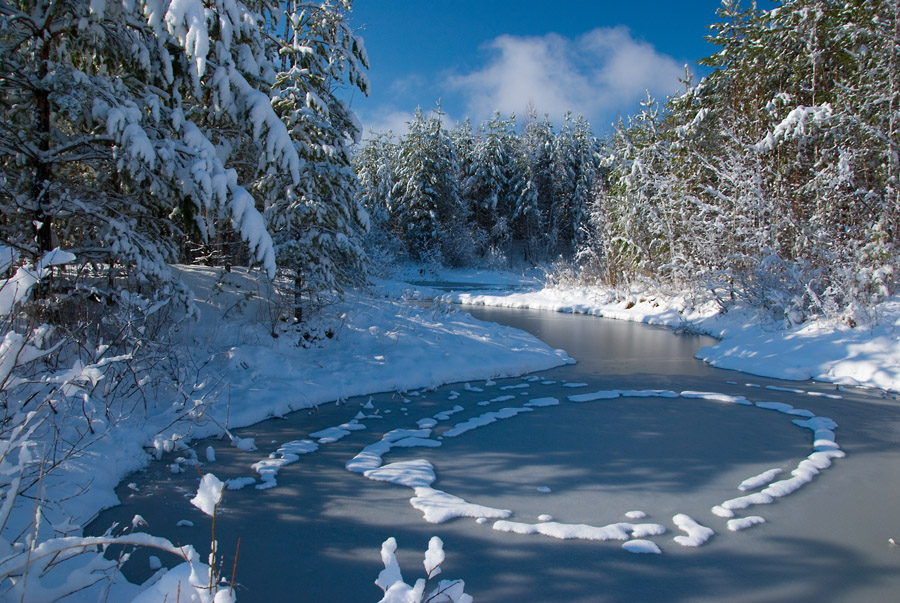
<point>390,580</point>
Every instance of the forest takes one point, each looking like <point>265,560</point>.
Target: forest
<point>773,180</point>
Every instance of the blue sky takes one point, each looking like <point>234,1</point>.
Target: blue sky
<point>594,58</point>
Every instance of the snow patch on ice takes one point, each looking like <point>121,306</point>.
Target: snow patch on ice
<point>566,531</point>
<point>285,455</point>
<point>757,481</point>
<point>540,402</point>
<point>642,547</point>
<point>696,533</point>
<point>482,420</point>
<point>744,522</point>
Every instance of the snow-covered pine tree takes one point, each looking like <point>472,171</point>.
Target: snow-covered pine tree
<point>775,176</point>
<point>537,145</point>
<point>427,190</point>
<point>493,183</point>
<point>111,130</point>
<point>574,172</point>
<point>312,209</point>
<point>376,166</point>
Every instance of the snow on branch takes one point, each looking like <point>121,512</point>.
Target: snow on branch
<point>186,22</point>
<point>279,145</point>
<point>15,290</point>
<point>796,125</point>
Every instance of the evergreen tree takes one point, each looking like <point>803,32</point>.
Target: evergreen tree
<point>427,189</point>
<point>537,145</point>
<point>313,211</point>
<point>774,177</point>
<point>494,182</point>
<point>574,175</point>
<point>107,129</point>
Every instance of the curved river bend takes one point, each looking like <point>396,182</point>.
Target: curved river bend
<point>317,535</point>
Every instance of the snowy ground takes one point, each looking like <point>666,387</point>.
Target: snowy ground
<point>376,342</point>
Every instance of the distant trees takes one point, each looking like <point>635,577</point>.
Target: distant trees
<point>463,197</point>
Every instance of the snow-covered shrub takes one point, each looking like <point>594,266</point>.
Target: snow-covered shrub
<point>390,580</point>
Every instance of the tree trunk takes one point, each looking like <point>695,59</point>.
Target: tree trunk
<point>43,221</point>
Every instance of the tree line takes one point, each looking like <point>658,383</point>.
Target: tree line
<point>493,195</point>
<point>773,180</point>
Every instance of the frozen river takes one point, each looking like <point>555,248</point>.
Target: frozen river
<point>591,460</point>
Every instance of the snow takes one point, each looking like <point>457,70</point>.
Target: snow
<point>209,494</point>
<point>696,533</point>
<point>390,579</point>
<point>482,420</point>
<point>564,531</point>
<point>745,522</point>
<point>641,546</point>
<point>757,481</point>
<point>438,506</point>
<point>628,393</point>
<point>285,455</point>
<point>386,345</point>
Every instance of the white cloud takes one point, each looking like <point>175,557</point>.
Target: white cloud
<point>387,120</point>
<point>601,74</point>
<point>396,122</point>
